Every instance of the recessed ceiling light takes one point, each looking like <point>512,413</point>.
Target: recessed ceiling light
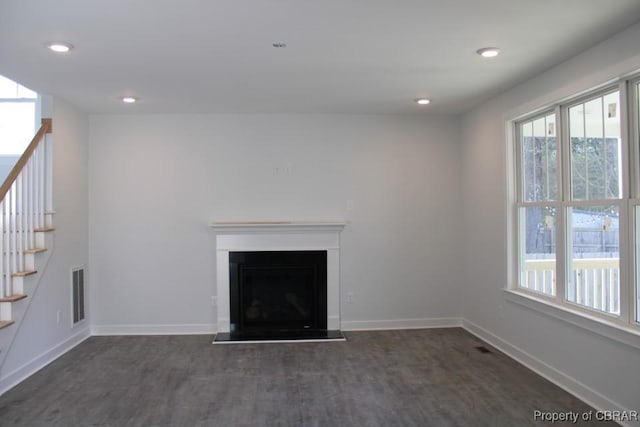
<point>129,99</point>
<point>423,101</point>
<point>59,47</point>
<point>488,52</point>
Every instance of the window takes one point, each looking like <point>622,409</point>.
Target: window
<point>575,197</point>
<point>17,117</point>
<point>539,190</point>
<point>593,226</point>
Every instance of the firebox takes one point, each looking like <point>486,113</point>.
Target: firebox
<point>278,295</point>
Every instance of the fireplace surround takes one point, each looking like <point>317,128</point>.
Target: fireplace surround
<point>271,239</point>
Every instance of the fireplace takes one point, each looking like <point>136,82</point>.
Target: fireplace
<point>277,294</point>
<point>278,281</point>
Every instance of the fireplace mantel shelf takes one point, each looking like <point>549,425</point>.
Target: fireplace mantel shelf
<point>280,226</point>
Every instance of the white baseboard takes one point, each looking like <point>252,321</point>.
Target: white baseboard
<point>562,380</point>
<point>182,329</point>
<point>18,375</point>
<point>203,329</point>
<point>370,325</point>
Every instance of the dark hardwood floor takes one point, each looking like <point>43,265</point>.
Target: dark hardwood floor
<point>429,377</point>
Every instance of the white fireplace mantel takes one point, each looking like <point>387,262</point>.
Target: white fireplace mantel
<point>278,236</point>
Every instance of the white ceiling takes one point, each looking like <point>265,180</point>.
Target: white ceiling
<point>342,56</point>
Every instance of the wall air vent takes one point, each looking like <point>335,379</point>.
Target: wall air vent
<point>77,292</point>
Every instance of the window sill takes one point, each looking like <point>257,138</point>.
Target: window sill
<point>625,335</point>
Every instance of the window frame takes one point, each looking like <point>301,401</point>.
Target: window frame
<point>520,196</point>
<point>633,120</point>
<point>629,268</point>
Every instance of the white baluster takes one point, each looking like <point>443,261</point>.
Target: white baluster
<point>27,204</point>
<point>577,276</point>
<point>47,187</point>
<point>36,202</point>
<point>3,289</point>
<point>19,230</point>
<point>41,186</point>
<point>611,282</point>
<point>13,239</point>
<point>598,282</point>
<point>6,256</point>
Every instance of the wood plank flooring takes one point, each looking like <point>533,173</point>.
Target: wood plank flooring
<point>430,377</point>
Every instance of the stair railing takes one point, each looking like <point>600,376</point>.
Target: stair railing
<point>25,202</point>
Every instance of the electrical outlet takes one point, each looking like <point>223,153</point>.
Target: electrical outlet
<point>349,297</point>
<point>214,301</point>
<point>58,316</point>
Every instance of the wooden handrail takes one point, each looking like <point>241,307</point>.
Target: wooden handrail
<point>45,128</point>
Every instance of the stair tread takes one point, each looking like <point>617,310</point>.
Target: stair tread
<point>13,298</point>
<point>44,229</point>
<point>35,250</point>
<point>24,273</point>
<point>5,323</point>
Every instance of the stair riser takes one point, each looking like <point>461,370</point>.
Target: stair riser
<point>18,285</point>
<point>29,262</point>
<point>6,312</point>
<point>40,239</point>
<point>48,220</point>
<point>12,310</point>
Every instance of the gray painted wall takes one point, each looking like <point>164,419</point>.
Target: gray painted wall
<point>158,181</point>
<point>605,371</point>
<point>6,164</point>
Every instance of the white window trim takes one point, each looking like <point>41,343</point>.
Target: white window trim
<point>623,328</point>
<point>577,317</point>
<point>633,121</point>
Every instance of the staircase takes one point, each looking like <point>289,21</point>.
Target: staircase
<point>26,238</point>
